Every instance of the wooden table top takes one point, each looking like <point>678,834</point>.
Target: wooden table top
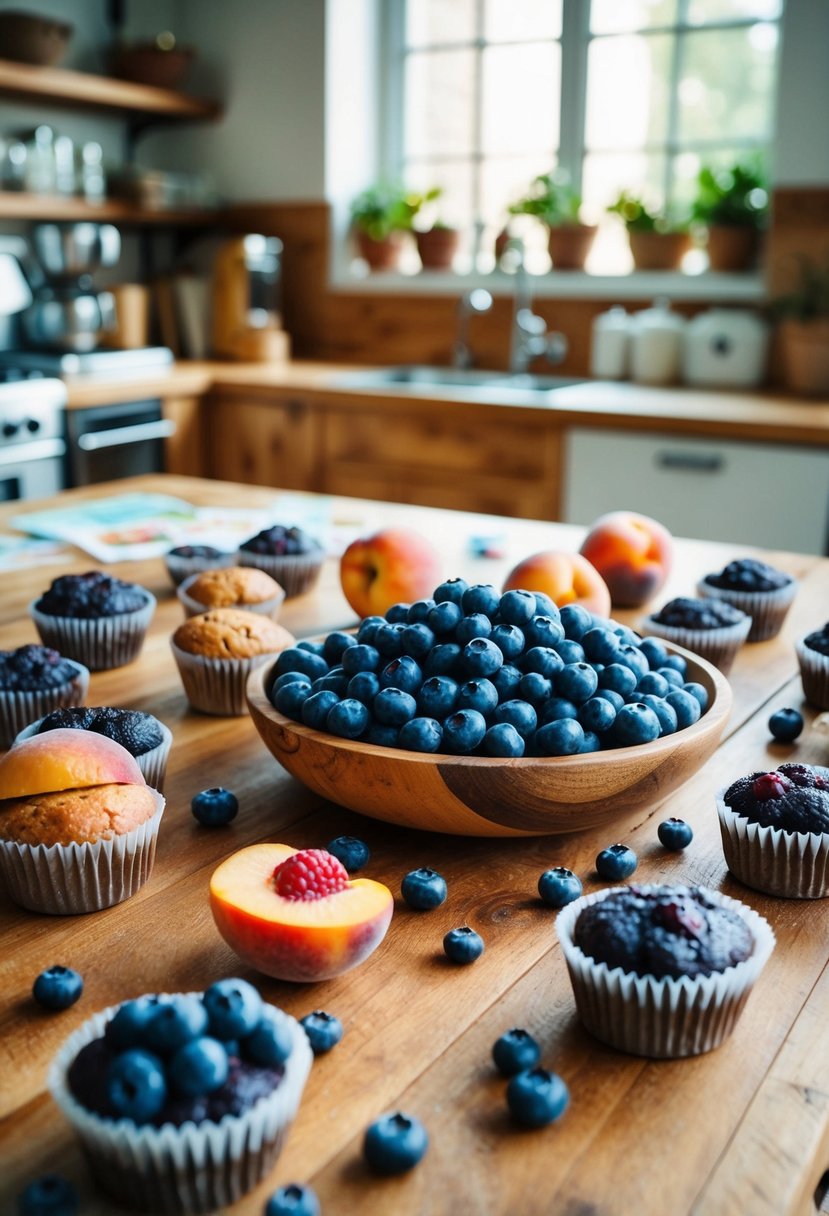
<point>743,1131</point>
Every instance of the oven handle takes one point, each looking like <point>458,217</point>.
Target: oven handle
<point>93,441</point>
<point>38,449</point>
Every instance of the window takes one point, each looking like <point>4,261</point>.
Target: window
<point>483,95</point>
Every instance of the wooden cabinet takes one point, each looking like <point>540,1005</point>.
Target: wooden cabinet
<point>264,440</point>
<point>185,451</point>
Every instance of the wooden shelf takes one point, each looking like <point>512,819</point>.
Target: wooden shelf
<point>15,206</point>
<point>82,89</point>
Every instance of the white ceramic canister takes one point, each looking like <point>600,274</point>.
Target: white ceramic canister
<point>610,344</point>
<point>656,344</point>
<point>727,348</point>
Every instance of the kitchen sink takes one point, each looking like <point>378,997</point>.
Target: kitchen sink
<point>421,378</point>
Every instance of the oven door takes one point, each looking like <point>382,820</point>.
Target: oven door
<point>31,470</point>
<point>114,441</point>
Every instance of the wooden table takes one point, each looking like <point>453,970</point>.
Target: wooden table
<point>743,1131</point>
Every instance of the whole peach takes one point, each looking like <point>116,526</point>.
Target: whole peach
<point>568,578</point>
<point>633,554</point>
<point>65,760</point>
<point>392,566</point>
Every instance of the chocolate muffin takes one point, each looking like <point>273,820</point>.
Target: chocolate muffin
<point>32,667</point>
<point>709,627</point>
<point>99,620</point>
<point>287,554</point>
<point>756,588</point>
<point>33,681</point>
<point>91,595</point>
<point>140,733</point>
<point>813,658</point>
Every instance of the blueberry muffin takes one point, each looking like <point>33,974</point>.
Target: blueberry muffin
<point>756,588</point>
<point>95,618</point>
<point>144,737</point>
<point>33,681</point>
<point>813,657</point>
<point>288,554</point>
<point>185,560</point>
<point>711,628</point>
<point>231,587</point>
<point>206,1117</point>
<point>663,970</point>
<point>775,830</point>
<point>216,652</point>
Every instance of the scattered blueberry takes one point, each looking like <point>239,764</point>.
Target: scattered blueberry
<point>216,807</point>
<point>324,1030</point>
<point>394,1143</point>
<point>559,887</point>
<point>353,853</point>
<point>675,834</point>
<point>537,1097</point>
<point>515,1051</point>
<point>423,889</point>
<point>136,1085</point>
<point>463,945</point>
<point>295,1199</point>
<point>49,1195</point>
<point>616,863</point>
<point>57,988</point>
<point>785,725</point>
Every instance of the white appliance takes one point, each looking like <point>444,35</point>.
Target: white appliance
<point>656,344</point>
<point>725,348</point>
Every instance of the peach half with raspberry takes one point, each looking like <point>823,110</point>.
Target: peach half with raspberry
<point>295,914</point>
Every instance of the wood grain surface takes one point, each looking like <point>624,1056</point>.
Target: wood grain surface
<point>742,1130</point>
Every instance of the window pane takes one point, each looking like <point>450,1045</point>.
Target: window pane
<point>727,85</point>
<point>454,179</point>
<point>439,93</point>
<point>619,16</point>
<point>702,11</point>
<point>434,22</point>
<point>521,93</point>
<point>606,174</point>
<point>628,91</point>
<point>512,20</point>
<point>503,181</point>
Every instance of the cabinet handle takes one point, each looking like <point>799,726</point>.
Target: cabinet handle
<point>118,436</point>
<point>690,462</point>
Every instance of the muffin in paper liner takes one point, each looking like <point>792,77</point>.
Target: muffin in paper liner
<point>296,572</point>
<point>661,1018</point>
<point>216,686</point>
<point>794,865</point>
<point>814,674</point>
<point>179,568</point>
<point>767,609</point>
<point>18,709</point>
<point>269,607</point>
<point>153,764</point>
<point>191,1168</point>
<point>68,879</point>
<point>719,646</point>
<point>99,642</point>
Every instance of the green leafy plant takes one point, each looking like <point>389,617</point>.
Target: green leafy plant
<point>387,207</point>
<point>809,298</point>
<point>551,199</point>
<point>637,216</point>
<point>732,197</point>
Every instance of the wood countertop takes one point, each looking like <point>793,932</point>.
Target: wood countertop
<point>743,1130</point>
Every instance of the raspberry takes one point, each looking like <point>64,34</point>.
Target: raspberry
<point>310,874</point>
<point>770,785</point>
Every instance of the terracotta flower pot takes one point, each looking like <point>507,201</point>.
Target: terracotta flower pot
<point>437,248</point>
<point>569,245</point>
<point>383,254</point>
<point>732,247</point>
<point>658,250</point>
<point>804,354</point>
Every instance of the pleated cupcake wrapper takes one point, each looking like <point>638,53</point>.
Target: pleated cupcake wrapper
<point>297,573</point>
<point>18,709</point>
<point>269,607</point>
<point>814,674</point>
<point>68,879</point>
<point>153,764</point>
<point>719,646</point>
<point>661,1018</point>
<point>192,1168</point>
<point>767,609</point>
<point>794,865</point>
<point>102,642</point>
<point>216,686</point>
<point>180,568</point>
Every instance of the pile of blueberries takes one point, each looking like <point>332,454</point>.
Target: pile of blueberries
<point>474,672</point>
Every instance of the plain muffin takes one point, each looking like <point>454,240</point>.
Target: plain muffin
<point>81,816</point>
<point>230,633</point>
<point>233,587</point>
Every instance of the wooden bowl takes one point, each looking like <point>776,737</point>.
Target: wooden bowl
<point>32,38</point>
<point>483,796</point>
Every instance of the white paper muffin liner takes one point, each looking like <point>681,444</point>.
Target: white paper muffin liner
<point>100,642</point>
<point>18,709</point>
<point>767,609</point>
<point>180,568</point>
<point>296,572</point>
<point>719,646</point>
<point>216,686</point>
<point>814,674</point>
<point>67,879</point>
<point>269,607</point>
<point>153,764</point>
<point>661,1018</point>
<point>794,865</point>
<point>192,1168</point>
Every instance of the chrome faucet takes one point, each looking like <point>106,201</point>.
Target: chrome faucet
<point>478,300</point>
<point>529,337</point>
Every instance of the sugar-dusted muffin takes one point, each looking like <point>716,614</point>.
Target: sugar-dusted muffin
<point>144,737</point>
<point>755,587</point>
<point>94,618</point>
<point>203,1120</point>
<point>232,587</point>
<point>708,627</point>
<point>288,554</point>
<point>813,657</point>
<point>33,681</point>
<point>185,560</point>
<point>216,652</point>
<point>775,830</point>
<point>662,970</point>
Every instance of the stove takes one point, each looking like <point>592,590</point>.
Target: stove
<point>32,444</point>
<point>93,362</point>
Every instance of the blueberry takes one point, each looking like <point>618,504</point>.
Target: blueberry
<point>127,1028</point>
<point>481,597</point>
<point>269,1043</point>
<point>463,731</point>
<point>653,684</point>
<point>517,607</point>
<point>287,677</point>
<point>569,652</point>
<point>559,887</point>
<point>561,738</point>
<point>336,644</point>
<point>398,614</point>
<point>476,625</point>
<point>503,739</point>
<point>423,889</point>
<point>576,621</point>
<point>136,1086</point>
<point>664,712</point>
<point>535,688</point>
<point>402,672</point>
<point>481,657</point>
<point>442,660</point>
<point>336,680</point>
<point>388,639</point>
<point>360,658</point>
<point>480,694</point>
<point>348,719</point>
<point>290,698</point>
<point>215,807</point>
<point>312,646</point>
<point>597,714</point>
<point>590,743</point>
<point>543,659</point>
<point>368,628</point>
<point>544,631</point>
<point>451,590</point>
<point>600,645</point>
<point>509,639</point>
<point>316,708</point>
<point>323,1029</point>
<point>437,697</point>
<point>631,656</point>
<point>394,1143</point>
<point>671,675</point>
<point>421,735</point>
<point>57,988</point>
<point>393,707</point>
<point>685,706</point>
<point>233,1007</point>
<point>381,735</point>
<point>463,945</point>
<point>419,611</point>
<point>615,698</point>
<point>619,677</point>
<point>677,662</point>
<point>636,723</point>
<point>49,1195</point>
<point>785,725</point>
<point>519,714</point>
<point>616,863</point>
<point>506,681</point>
<point>577,682</point>
<point>353,853</point>
<point>537,1097</point>
<point>675,834</point>
<point>557,708</point>
<point>444,617</point>
<point>199,1067</point>
<point>175,1022</point>
<point>417,640</point>
<point>363,687</point>
<point>654,651</point>
<point>297,658</point>
<point>545,605</point>
<point>294,1199</point>
<point>515,1051</point>
<point>699,691</point>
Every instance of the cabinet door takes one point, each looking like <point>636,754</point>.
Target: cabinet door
<point>185,451</point>
<point>263,442</point>
<point>775,496</point>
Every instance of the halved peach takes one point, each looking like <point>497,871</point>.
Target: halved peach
<point>295,939</point>
<point>65,760</point>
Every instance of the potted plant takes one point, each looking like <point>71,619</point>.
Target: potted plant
<point>803,329</point>
<point>381,218</point>
<point>656,241</point>
<point>732,205</point>
<point>437,245</point>
<point>552,200</point>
